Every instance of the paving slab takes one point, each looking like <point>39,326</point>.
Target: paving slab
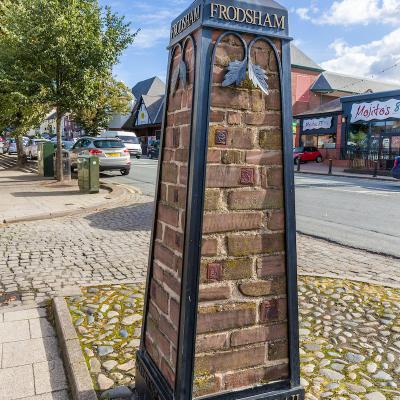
<point>49,376</point>
<point>16,383</point>
<point>30,363</point>
<point>29,352</point>
<point>14,331</point>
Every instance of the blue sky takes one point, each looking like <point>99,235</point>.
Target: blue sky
<point>356,37</point>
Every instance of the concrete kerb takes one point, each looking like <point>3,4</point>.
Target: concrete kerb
<point>74,361</point>
<point>120,195</point>
<point>356,176</point>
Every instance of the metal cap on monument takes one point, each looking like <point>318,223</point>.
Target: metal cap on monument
<point>221,309</point>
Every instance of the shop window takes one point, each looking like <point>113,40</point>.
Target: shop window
<point>358,137</point>
<point>327,142</point>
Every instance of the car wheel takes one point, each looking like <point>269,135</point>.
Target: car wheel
<point>319,159</point>
<point>125,172</point>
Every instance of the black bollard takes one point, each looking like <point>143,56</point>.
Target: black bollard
<point>330,166</point>
<point>298,161</point>
<point>375,169</point>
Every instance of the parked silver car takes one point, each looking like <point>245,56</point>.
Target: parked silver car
<point>113,154</point>
<point>32,147</point>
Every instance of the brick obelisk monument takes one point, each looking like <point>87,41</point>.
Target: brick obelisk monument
<point>221,315</point>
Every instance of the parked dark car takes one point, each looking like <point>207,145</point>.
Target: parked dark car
<point>396,168</point>
<point>305,154</point>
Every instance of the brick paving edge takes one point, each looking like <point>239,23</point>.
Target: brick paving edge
<point>352,279</point>
<point>80,381</point>
<point>120,191</point>
<point>378,178</point>
<point>335,242</point>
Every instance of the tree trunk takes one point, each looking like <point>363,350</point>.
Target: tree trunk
<point>21,156</point>
<point>59,160</point>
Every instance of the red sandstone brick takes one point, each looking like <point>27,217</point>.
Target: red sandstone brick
<point>276,221</point>
<point>242,245</point>
<point>275,177</point>
<point>182,118</point>
<point>167,372</point>
<point>271,266</point>
<point>219,176</point>
<point>174,312</point>
<point>168,215</point>
<point>234,118</point>
<point>209,247</point>
<point>214,319</point>
<point>263,157</point>
<point>230,97</point>
<point>250,377</point>
<point>232,360</point>
<point>270,139</point>
<point>173,239</point>
<point>263,119</point>
<point>259,334</point>
<point>181,155</point>
<point>172,282</point>
<point>226,222</point>
<point>159,296</point>
<point>214,156</point>
<point>217,116</point>
<point>278,351</point>
<point>170,173</point>
<point>168,330</point>
<point>183,175</point>
<point>212,199</point>
<point>207,343</point>
<point>165,256</point>
<point>255,199</point>
<point>263,288</point>
<point>210,293</point>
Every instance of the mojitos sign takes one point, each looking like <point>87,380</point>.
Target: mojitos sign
<point>317,123</point>
<point>376,110</point>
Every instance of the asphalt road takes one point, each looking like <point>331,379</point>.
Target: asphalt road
<point>357,212</point>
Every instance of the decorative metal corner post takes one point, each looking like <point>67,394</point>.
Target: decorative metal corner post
<point>221,311</point>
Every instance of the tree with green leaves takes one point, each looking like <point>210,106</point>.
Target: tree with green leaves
<point>58,49</point>
<point>19,114</point>
<point>110,97</point>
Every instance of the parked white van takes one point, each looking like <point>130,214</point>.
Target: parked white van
<point>129,139</point>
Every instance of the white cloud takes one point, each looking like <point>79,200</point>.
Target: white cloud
<point>368,60</point>
<point>350,12</point>
<point>150,37</point>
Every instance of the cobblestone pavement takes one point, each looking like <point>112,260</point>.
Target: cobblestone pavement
<point>320,257</point>
<point>43,258</point>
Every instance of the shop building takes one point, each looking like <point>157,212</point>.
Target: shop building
<point>372,129</point>
<point>322,128</point>
<point>355,131</point>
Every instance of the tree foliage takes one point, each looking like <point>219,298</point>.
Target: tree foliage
<point>56,50</point>
<point>111,97</point>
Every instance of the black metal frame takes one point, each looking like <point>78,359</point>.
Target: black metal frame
<point>150,379</point>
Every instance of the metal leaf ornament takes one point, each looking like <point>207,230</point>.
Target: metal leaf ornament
<point>259,77</point>
<point>236,73</point>
<point>179,75</point>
